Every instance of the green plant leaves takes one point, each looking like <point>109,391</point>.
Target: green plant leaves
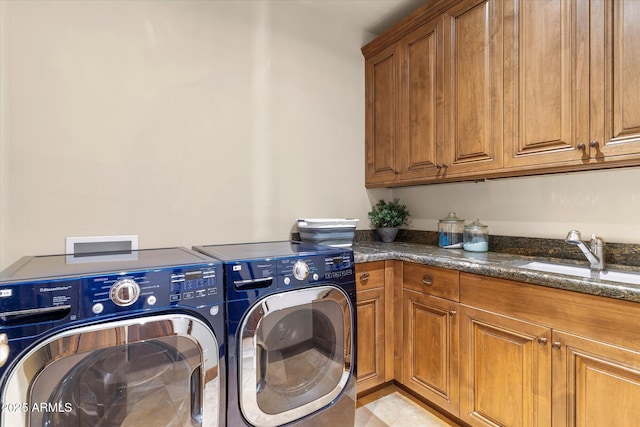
<point>389,214</point>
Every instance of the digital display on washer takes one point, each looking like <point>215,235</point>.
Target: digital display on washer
<point>193,275</point>
<point>336,261</point>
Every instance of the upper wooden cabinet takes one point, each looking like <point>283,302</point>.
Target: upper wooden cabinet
<point>546,82</point>
<point>571,97</point>
<point>382,116</point>
<point>615,80</point>
<point>434,99</point>
<point>494,88</point>
<point>472,141</point>
<point>404,122</point>
<point>420,95</point>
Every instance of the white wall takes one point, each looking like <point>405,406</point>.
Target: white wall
<point>193,122</point>
<point>605,202</point>
<point>184,122</point>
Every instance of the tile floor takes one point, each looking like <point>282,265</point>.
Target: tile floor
<point>393,407</point>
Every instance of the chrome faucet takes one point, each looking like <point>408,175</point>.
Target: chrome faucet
<point>595,255</point>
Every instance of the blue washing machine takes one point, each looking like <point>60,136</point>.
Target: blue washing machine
<point>291,333</point>
<point>122,339</point>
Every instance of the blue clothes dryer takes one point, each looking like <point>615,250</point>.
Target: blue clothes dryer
<point>291,333</point>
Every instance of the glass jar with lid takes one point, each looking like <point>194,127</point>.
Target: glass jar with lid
<point>476,237</point>
<point>450,231</point>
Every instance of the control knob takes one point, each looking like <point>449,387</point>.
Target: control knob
<point>300,270</point>
<point>124,292</point>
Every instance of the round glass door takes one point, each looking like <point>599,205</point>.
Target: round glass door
<point>148,371</point>
<point>295,354</point>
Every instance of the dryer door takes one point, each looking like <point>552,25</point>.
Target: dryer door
<point>160,370</point>
<point>295,354</point>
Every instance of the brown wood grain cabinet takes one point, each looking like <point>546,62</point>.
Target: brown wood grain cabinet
<point>403,119</point>
<point>546,83</point>
<point>570,98</point>
<point>374,366</point>
<point>421,84</point>
<point>594,383</point>
<point>473,89</point>
<point>494,88</point>
<point>382,82</point>
<point>495,352</point>
<point>505,370</point>
<point>615,104</point>
<point>430,334</point>
<point>532,355</point>
<point>434,99</point>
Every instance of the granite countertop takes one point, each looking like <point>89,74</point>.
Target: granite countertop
<point>499,265</point>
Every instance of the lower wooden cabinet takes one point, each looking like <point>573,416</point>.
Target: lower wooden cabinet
<point>430,359</point>
<point>594,384</point>
<point>505,370</point>
<point>536,356</point>
<point>370,350</point>
<point>374,365</point>
<point>506,354</point>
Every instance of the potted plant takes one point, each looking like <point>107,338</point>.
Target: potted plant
<point>387,217</point>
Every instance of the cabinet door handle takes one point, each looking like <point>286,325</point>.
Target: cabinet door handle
<point>543,340</point>
<point>581,146</point>
<point>556,345</point>
<point>364,276</point>
<point>427,280</point>
<point>453,313</point>
<point>594,144</point>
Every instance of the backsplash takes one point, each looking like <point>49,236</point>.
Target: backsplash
<point>615,253</point>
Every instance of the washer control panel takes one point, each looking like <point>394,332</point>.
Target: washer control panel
<point>187,287</point>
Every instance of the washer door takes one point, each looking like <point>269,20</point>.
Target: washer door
<point>160,370</point>
<point>295,354</point>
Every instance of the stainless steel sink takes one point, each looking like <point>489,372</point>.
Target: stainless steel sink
<point>574,270</point>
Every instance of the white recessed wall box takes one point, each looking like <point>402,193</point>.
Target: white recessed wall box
<point>101,248</point>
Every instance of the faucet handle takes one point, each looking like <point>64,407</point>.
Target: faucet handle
<point>595,240</point>
<point>597,248</point>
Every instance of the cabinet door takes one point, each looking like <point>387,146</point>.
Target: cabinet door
<point>370,336</point>
<point>615,79</point>
<point>595,384</point>
<point>473,87</point>
<point>504,371</point>
<point>381,131</point>
<point>546,82</point>
<point>421,119</point>
<point>430,362</point>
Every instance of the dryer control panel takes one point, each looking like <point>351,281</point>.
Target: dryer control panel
<point>276,274</point>
<point>309,270</point>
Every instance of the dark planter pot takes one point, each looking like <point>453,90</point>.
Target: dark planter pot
<point>388,234</point>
